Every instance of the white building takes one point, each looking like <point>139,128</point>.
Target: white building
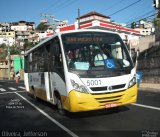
<point>7,38</point>
<point>23,26</point>
<point>145,28</point>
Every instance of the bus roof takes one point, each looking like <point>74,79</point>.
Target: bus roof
<point>66,32</point>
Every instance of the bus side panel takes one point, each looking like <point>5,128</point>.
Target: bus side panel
<point>26,82</point>
<point>58,84</point>
<point>37,85</point>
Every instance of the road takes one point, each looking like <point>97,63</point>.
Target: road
<point>21,115</point>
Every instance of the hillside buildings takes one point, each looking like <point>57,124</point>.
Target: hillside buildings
<point>17,33</point>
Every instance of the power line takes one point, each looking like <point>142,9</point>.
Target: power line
<point>66,5</point>
<point>115,4</point>
<point>52,5</point>
<point>59,5</point>
<point>144,18</point>
<point>140,16</point>
<point>125,8</point>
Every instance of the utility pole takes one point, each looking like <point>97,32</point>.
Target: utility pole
<point>78,18</point>
<point>9,62</point>
<point>156,4</point>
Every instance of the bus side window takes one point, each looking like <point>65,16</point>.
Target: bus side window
<point>48,62</point>
<point>26,63</point>
<point>57,55</point>
<point>41,60</point>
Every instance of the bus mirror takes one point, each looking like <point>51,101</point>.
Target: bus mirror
<point>135,57</point>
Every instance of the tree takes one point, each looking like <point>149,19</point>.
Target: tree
<point>4,53</point>
<point>42,26</point>
<point>14,50</point>
<point>157,23</point>
<point>133,25</point>
<point>28,45</point>
<point>3,46</point>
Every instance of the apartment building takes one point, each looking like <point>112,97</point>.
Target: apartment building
<point>17,32</point>
<point>145,28</point>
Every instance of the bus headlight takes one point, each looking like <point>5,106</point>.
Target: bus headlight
<point>132,82</point>
<point>79,87</point>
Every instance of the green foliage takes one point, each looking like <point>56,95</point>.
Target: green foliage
<point>41,27</point>
<point>3,46</point>
<point>28,45</point>
<point>133,25</point>
<point>4,54</point>
<point>157,22</point>
<point>14,51</point>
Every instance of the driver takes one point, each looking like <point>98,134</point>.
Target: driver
<point>99,57</point>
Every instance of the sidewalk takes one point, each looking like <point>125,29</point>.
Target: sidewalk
<point>149,87</point>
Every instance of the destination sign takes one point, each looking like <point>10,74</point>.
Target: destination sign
<point>83,39</point>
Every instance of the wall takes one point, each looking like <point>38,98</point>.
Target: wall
<point>146,42</point>
<point>3,74</point>
<point>149,64</point>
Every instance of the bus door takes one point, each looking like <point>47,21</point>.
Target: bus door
<point>49,65</point>
<point>55,67</point>
<point>58,80</point>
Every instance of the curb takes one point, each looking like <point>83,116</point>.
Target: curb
<point>146,89</point>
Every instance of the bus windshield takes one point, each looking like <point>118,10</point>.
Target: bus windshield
<point>95,51</point>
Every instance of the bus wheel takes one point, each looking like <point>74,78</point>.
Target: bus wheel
<point>34,93</point>
<point>59,106</point>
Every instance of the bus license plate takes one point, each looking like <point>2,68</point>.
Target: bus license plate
<point>111,105</point>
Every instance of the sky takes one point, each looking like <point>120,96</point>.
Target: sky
<point>30,10</point>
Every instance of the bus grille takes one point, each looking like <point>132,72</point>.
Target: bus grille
<point>105,100</point>
<point>114,87</point>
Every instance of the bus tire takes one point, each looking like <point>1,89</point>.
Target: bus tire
<point>59,105</point>
<point>34,93</point>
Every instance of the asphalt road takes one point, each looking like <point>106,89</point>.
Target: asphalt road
<point>21,115</point>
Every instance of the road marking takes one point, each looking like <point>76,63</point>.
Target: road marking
<point>21,87</point>
<point>49,117</point>
<point>11,92</point>
<point>146,106</point>
<point>12,88</point>
<point>2,89</point>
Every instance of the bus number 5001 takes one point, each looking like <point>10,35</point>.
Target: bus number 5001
<point>93,82</point>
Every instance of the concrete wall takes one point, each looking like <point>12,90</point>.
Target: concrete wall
<point>146,42</point>
<point>150,68</point>
<point>149,64</point>
<point>3,74</point>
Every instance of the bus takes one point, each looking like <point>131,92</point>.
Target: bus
<point>81,70</point>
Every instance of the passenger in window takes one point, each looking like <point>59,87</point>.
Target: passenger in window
<point>106,51</point>
<point>99,57</point>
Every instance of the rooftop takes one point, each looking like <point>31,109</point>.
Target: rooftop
<point>94,13</point>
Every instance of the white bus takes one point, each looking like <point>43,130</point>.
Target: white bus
<point>81,70</point>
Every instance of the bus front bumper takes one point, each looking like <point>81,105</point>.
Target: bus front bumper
<point>78,101</point>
